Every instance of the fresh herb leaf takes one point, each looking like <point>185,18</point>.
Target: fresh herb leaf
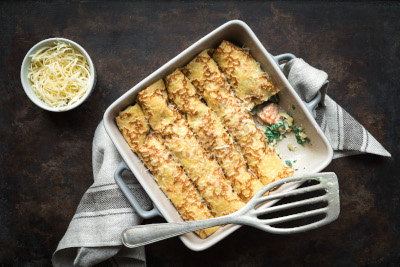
<point>253,110</point>
<point>288,163</point>
<point>297,132</point>
<point>293,107</point>
<point>274,99</point>
<point>277,131</point>
<point>273,132</point>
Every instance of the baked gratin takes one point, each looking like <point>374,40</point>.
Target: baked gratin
<point>197,137</point>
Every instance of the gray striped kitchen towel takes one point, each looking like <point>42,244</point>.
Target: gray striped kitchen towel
<point>94,234</point>
<point>346,135</point>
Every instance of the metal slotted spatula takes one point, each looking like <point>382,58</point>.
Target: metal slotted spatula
<point>140,235</point>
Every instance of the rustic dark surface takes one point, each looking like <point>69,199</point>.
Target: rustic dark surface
<point>45,158</point>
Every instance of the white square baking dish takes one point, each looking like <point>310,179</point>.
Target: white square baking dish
<point>309,159</point>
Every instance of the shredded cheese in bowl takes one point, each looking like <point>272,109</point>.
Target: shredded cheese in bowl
<point>59,75</point>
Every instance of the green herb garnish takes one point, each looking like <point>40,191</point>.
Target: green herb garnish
<point>273,132</point>
<point>293,107</point>
<point>278,130</point>
<point>288,163</point>
<point>274,99</point>
<point>297,132</point>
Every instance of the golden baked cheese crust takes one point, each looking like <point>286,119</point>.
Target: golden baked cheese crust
<point>185,150</point>
<point>169,176</point>
<point>204,73</point>
<point>211,135</point>
<point>249,82</point>
<point>198,138</point>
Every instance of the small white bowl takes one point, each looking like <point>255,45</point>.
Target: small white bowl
<point>27,84</point>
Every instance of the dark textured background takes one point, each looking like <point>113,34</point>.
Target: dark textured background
<point>45,158</point>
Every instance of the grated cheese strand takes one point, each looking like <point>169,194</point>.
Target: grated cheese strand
<point>59,75</point>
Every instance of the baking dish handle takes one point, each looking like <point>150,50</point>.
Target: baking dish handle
<point>145,214</point>
<point>313,103</point>
<point>283,57</point>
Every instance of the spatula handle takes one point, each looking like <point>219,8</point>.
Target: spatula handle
<point>141,235</point>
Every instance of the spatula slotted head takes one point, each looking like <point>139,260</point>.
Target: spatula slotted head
<point>323,189</point>
<point>310,206</point>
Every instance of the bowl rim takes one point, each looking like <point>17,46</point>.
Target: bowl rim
<point>27,86</point>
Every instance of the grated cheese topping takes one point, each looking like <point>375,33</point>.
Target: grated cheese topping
<point>59,75</point>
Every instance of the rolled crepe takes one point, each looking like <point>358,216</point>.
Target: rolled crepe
<point>249,82</point>
<point>213,87</point>
<point>169,176</point>
<point>176,136</point>
<point>211,135</point>
<point>133,125</point>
